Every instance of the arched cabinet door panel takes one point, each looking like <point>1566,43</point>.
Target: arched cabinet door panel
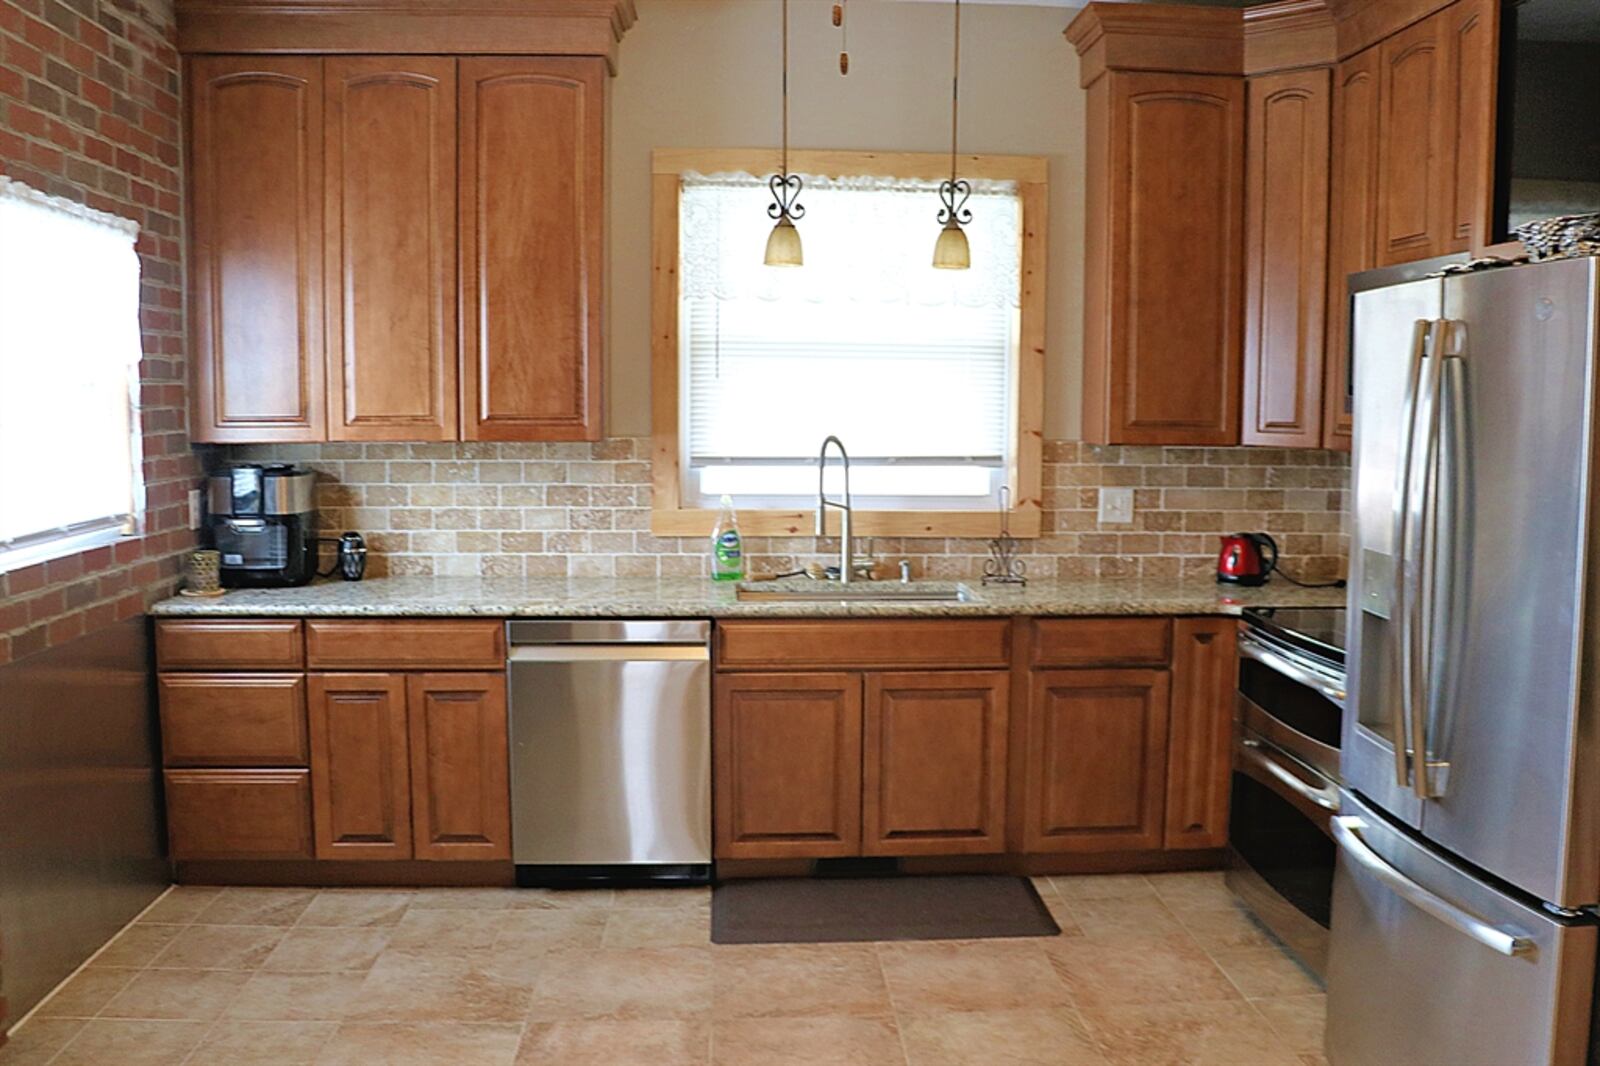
<point>255,128</point>
<point>532,214</point>
<point>390,252</point>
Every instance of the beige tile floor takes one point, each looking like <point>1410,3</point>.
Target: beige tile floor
<point>1148,971</point>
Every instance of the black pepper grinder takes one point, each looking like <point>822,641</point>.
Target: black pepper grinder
<point>352,556</point>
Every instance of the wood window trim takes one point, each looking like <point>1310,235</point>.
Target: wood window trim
<point>669,518</point>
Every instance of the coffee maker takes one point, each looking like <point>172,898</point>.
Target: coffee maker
<point>264,525</point>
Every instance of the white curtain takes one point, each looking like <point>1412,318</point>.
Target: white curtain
<point>69,372</point>
<point>867,341</point>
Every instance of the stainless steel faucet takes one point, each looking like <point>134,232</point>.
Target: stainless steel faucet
<point>846,547</point>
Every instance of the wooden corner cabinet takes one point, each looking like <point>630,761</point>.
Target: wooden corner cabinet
<point>397,248</point>
<point>1347,135</point>
<point>334,740</point>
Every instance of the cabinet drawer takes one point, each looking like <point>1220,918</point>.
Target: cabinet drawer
<point>239,814</point>
<point>865,645</point>
<point>406,644</point>
<point>1102,642</point>
<point>228,644</point>
<point>233,719</point>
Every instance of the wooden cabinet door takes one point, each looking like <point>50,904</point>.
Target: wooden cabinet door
<point>1353,222</point>
<point>1205,673</point>
<point>1097,760</point>
<point>1472,29</point>
<point>361,794</point>
<point>391,248</point>
<point>934,764</point>
<point>1414,157</point>
<point>786,765</point>
<point>1170,369</point>
<point>255,274</point>
<point>532,211</point>
<point>460,775</point>
<point>1286,257</point>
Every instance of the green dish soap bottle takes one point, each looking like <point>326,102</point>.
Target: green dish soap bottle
<point>727,547</point>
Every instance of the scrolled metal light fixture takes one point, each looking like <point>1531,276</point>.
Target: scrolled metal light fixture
<point>783,244</point>
<point>952,252</point>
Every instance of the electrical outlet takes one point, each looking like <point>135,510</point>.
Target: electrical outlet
<point>1116,507</point>
<point>194,508</point>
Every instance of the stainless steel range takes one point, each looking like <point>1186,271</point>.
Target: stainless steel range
<point>1287,723</point>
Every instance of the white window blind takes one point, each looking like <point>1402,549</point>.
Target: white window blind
<point>69,377</point>
<point>912,367</point>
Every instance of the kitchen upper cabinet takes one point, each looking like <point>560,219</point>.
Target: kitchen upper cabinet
<point>1286,257</point>
<point>1472,38</point>
<point>256,196</point>
<point>1415,159</point>
<point>460,758</point>
<point>934,763</point>
<point>1205,672</point>
<point>361,782</point>
<point>787,765</point>
<point>1353,240</point>
<point>532,200</point>
<point>1096,772</point>
<point>397,248</point>
<point>390,252</point>
<point>1165,273</point>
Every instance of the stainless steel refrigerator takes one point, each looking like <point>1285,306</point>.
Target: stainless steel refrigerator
<point>1463,927</point>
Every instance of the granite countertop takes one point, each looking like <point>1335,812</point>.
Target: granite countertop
<point>506,597</point>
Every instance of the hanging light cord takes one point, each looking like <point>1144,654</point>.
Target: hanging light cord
<point>785,88</point>
<point>955,193</point>
<point>785,186</point>
<point>955,96</point>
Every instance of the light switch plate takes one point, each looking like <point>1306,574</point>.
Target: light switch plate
<point>194,508</point>
<point>1116,507</point>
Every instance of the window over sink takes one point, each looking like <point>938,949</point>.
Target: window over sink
<point>70,454</point>
<point>930,377</point>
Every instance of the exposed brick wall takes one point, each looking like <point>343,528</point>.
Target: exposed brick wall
<point>89,110</point>
<point>584,510</point>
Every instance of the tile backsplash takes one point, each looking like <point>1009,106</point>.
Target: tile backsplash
<point>584,510</point>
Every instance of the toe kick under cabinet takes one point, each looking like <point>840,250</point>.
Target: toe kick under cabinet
<point>334,739</point>
<point>950,737</point>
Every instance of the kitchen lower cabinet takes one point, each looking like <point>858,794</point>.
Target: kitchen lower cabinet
<point>238,814</point>
<point>1205,675</point>
<point>361,780</point>
<point>934,763</point>
<point>787,765</point>
<point>460,756</point>
<point>1096,760</point>
<point>393,745</point>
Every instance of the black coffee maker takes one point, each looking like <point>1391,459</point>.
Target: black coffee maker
<point>264,524</point>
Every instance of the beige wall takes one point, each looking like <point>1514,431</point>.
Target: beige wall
<point>704,73</point>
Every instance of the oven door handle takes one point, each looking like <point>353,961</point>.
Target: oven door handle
<point>1347,834</point>
<point>1255,752</point>
<point>1251,648</point>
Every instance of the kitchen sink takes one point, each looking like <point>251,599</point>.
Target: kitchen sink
<point>855,592</point>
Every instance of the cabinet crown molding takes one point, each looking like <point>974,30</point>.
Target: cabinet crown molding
<point>406,27</point>
<point>1164,37</point>
<point>1287,35</point>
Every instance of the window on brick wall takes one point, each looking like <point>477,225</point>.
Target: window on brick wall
<point>928,376</point>
<point>70,453</point>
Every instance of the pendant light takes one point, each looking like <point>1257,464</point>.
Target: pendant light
<point>952,252</point>
<point>783,245</point>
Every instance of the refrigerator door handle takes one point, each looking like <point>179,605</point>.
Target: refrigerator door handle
<point>1347,834</point>
<point>1421,567</point>
<point>1399,627</point>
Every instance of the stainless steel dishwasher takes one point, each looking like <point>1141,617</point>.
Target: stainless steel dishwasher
<point>610,751</point>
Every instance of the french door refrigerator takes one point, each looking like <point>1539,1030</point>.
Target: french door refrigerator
<point>1463,927</point>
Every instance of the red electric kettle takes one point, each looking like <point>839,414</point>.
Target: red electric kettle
<point>1247,559</point>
